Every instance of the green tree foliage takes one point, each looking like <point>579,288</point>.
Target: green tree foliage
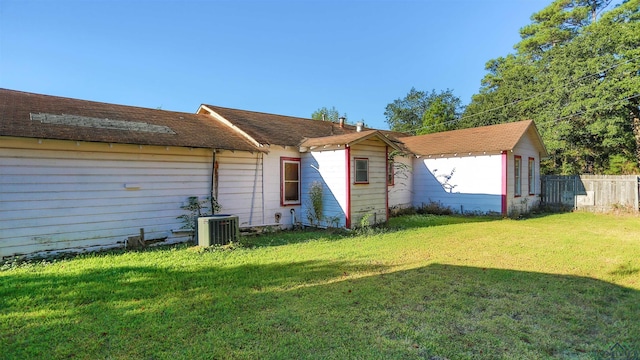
<point>444,109</point>
<point>420,112</point>
<point>331,114</point>
<point>579,79</point>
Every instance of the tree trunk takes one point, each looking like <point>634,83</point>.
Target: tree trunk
<point>635,123</point>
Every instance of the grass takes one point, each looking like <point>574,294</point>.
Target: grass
<point>439,287</point>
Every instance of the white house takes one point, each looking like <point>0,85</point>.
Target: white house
<point>350,164</point>
<point>78,175</point>
<point>81,175</point>
<point>489,169</point>
<point>353,171</point>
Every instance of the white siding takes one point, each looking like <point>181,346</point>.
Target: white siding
<point>522,204</point>
<point>400,192</point>
<point>249,187</point>
<point>465,184</point>
<point>240,186</point>
<point>272,187</point>
<point>73,196</point>
<point>370,199</point>
<point>61,195</point>
<point>328,168</point>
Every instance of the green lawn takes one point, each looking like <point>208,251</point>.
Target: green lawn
<point>558,286</point>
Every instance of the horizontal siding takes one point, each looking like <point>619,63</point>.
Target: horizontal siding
<point>370,198</point>
<point>249,187</point>
<point>328,168</point>
<point>401,192</point>
<point>67,196</point>
<point>240,186</point>
<point>473,184</point>
<point>522,204</point>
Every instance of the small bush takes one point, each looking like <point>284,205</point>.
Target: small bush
<point>396,211</point>
<point>434,208</point>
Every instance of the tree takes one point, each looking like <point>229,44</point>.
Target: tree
<point>421,112</point>
<point>327,114</point>
<point>558,24</point>
<point>578,78</point>
<point>444,109</point>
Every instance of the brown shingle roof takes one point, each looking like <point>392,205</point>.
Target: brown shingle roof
<point>50,117</point>
<point>493,138</point>
<point>272,129</point>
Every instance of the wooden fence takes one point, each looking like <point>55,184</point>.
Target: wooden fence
<point>591,192</point>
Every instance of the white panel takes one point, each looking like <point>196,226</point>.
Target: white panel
<point>465,184</point>
<point>328,168</point>
<point>244,190</point>
<point>400,193</point>
<point>272,187</point>
<point>74,197</point>
<point>525,149</point>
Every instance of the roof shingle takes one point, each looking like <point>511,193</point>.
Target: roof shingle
<point>492,138</point>
<point>31,115</point>
<point>271,129</point>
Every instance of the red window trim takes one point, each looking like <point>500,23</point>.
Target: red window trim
<point>355,167</point>
<point>532,175</point>
<point>519,180</point>
<point>284,159</point>
<point>505,182</point>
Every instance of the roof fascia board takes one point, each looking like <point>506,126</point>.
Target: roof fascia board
<point>462,154</point>
<point>380,136</point>
<point>544,153</point>
<point>331,147</point>
<point>228,123</point>
<point>532,133</point>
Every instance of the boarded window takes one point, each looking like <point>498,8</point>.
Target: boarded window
<point>361,170</point>
<point>290,181</point>
<point>517,176</point>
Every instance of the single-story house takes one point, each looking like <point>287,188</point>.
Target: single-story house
<point>350,163</point>
<point>79,175</point>
<point>489,169</point>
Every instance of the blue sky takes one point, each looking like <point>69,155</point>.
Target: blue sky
<point>282,57</point>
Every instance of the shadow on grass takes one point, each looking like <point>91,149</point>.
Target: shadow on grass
<point>313,309</point>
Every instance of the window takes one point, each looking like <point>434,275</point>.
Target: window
<point>532,176</point>
<point>290,181</point>
<point>517,176</point>
<point>361,170</point>
<point>391,178</point>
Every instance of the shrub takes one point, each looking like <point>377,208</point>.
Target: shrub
<point>435,208</point>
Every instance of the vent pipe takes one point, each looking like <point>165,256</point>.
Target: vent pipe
<point>341,118</point>
<point>359,126</point>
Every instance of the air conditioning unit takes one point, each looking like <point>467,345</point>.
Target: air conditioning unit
<point>218,230</point>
